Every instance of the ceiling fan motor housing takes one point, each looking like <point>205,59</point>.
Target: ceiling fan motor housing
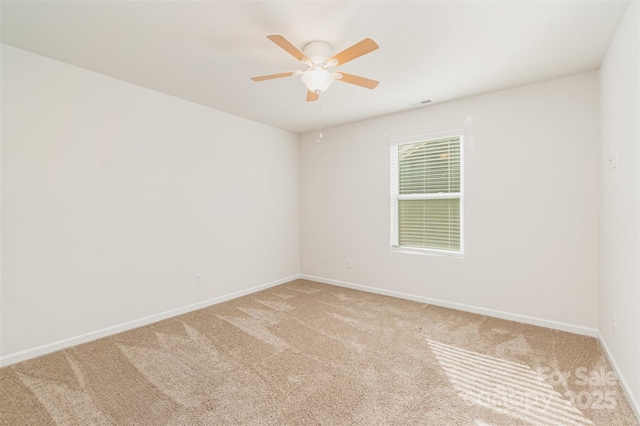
<point>318,52</point>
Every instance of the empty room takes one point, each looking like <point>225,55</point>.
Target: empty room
<point>317,212</point>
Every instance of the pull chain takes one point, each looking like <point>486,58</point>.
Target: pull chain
<point>318,120</point>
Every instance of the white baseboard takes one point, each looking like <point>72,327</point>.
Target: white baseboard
<point>577,329</point>
<point>633,401</point>
<point>107,331</point>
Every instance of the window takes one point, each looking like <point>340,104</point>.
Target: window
<point>426,193</point>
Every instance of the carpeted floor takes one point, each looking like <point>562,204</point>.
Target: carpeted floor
<point>309,353</point>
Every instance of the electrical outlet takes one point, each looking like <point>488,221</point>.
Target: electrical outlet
<point>614,322</point>
<point>349,264</point>
<point>198,279</point>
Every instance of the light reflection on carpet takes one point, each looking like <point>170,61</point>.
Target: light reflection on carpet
<point>505,387</point>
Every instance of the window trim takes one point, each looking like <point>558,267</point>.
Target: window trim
<point>395,197</point>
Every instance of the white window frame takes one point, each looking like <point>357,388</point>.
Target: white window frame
<point>395,196</point>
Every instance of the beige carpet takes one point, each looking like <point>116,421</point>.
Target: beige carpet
<point>308,353</point>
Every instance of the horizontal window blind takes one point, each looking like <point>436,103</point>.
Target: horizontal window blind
<point>426,194</point>
<point>429,167</point>
<point>429,223</point>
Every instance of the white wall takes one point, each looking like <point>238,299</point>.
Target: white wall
<point>531,203</point>
<point>113,196</point>
<point>620,200</point>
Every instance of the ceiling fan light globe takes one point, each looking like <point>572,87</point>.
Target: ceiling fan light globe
<point>317,80</point>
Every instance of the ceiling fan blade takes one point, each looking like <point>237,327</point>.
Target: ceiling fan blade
<point>271,76</point>
<point>360,48</point>
<point>312,96</point>
<point>286,45</point>
<point>359,81</point>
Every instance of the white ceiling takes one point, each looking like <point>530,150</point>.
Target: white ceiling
<point>206,51</point>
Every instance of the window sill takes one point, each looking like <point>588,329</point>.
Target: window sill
<point>428,252</point>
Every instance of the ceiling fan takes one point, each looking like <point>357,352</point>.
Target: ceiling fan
<point>316,55</point>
